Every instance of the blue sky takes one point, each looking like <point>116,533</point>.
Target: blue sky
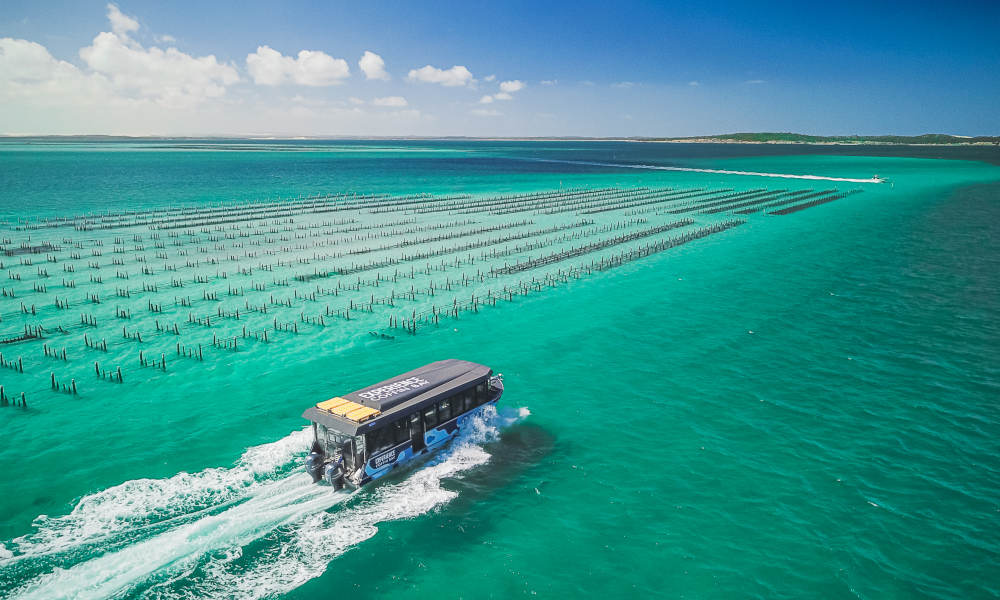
<point>498,68</point>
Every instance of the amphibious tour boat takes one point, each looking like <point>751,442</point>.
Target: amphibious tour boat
<point>362,436</point>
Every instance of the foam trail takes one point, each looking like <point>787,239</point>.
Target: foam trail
<point>266,510</point>
<point>139,504</point>
<point>275,504</point>
<point>305,551</point>
<point>717,171</point>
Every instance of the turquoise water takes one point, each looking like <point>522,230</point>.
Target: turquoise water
<point>647,443</point>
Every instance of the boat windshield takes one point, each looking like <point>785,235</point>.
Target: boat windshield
<point>333,440</point>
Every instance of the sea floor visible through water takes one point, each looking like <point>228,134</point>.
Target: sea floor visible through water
<point>705,396</point>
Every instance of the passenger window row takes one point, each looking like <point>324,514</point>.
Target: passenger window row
<point>445,410</point>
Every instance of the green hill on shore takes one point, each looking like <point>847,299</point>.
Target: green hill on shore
<point>799,138</point>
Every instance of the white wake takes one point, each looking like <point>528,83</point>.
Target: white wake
<point>717,171</point>
<point>202,523</point>
<point>139,504</point>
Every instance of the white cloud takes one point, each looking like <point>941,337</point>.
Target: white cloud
<point>489,78</point>
<point>314,68</point>
<point>486,112</point>
<point>119,86</point>
<point>121,24</point>
<point>512,86</point>
<point>456,76</point>
<point>694,83</point>
<point>390,101</point>
<point>549,82</point>
<point>29,73</point>
<point>169,77</point>
<point>373,66</point>
<point>754,81</point>
<point>268,66</point>
<point>623,84</point>
<point>507,88</point>
<point>123,87</point>
<point>166,39</point>
<point>26,62</point>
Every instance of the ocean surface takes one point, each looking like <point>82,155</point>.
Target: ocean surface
<point>801,405</point>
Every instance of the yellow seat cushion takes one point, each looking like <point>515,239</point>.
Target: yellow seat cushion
<point>362,414</point>
<point>342,409</point>
<point>350,410</point>
<point>331,403</point>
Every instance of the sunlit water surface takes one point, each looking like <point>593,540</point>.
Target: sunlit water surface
<point>801,406</point>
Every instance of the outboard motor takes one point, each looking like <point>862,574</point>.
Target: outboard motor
<point>314,462</point>
<point>314,465</point>
<point>334,473</point>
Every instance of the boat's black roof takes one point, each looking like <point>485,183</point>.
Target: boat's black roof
<point>404,393</point>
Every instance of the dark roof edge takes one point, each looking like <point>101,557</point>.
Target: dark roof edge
<point>461,381</point>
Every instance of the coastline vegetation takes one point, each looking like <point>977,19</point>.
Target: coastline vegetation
<point>800,138</point>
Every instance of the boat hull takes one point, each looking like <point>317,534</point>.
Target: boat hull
<point>381,464</point>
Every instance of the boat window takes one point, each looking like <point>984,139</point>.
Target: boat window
<point>371,440</point>
<point>471,399</point>
<point>444,410</point>
<point>349,455</point>
<point>416,431</point>
<point>400,430</point>
<point>430,417</point>
<point>334,440</point>
<point>379,440</point>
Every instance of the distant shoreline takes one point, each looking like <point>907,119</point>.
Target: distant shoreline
<point>798,143</point>
<point>717,141</point>
<point>916,140</point>
<point>926,139</point>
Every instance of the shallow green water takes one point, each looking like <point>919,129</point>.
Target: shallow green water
<point>648,442</point>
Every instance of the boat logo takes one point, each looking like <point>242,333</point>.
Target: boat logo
<point>396,387</point>
<point>382,460</point>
